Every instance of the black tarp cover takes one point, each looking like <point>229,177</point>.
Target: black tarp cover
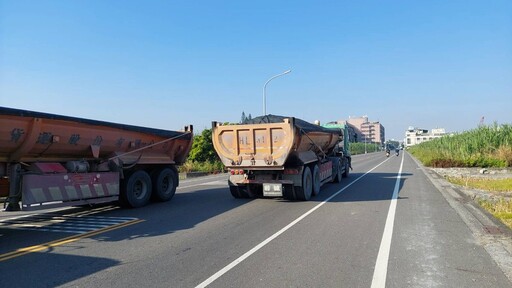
<point>304,126</point>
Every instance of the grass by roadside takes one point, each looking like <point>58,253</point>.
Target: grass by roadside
<point>493,185</point>
<point>501,208</point>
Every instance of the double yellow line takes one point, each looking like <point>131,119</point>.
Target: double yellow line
<point>59,242</point>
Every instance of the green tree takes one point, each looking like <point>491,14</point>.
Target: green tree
<point>202,148</point>
<point>245,117</point>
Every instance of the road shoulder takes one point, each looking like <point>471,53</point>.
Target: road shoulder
<point>488,231</point>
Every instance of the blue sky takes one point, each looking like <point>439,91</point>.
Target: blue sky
<point>167,64</point>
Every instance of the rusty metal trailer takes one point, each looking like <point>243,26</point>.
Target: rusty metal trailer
<point>49,160</point>
<point>277,156</point>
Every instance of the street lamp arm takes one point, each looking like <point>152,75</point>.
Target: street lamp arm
<point>265,90</point>
<point>273,77</point>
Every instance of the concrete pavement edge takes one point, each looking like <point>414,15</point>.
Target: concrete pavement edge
<point>492,234</point>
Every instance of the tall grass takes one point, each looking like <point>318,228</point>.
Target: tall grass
<point>486,146</point>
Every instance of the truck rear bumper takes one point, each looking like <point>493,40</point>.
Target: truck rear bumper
<point>267,188</point>
<point>261,182</point>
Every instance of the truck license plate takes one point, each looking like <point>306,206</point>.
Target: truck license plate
<point>272,189</point>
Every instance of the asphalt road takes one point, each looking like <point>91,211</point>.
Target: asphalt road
<point>389,224</point>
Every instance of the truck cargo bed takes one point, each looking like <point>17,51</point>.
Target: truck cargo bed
<point>28,136</point>
<point>272,141</point>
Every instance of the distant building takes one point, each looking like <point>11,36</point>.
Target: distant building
<point>367,131</point>
<point>415,136</point>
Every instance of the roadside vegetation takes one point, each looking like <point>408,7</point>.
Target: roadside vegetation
<point>359,148</point>
<point>485,146</point>
<point>493,185</point>
<point>501,209</point>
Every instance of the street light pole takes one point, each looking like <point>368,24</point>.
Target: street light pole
<point>265,90</point>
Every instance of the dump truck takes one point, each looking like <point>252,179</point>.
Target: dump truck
<point>279,156</point>
<point>49,160</point>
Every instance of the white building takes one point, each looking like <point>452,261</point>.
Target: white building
<point>415,136</point>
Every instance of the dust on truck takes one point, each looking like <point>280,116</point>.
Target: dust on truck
<point>277,156</point>
<point>49,160</point>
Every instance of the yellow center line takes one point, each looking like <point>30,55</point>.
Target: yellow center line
<point>62,241</point>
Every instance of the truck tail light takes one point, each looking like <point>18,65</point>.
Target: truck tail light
<point>237,172</point>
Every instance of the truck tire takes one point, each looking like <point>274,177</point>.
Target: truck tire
<point>304,192</point>
<point>337,177</point>
<point>136,190</point>
<point>347,167</point>
<point>164,184</point>
<point>316,180</point>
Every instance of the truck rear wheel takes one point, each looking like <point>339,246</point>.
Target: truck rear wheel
<point>337,177</point>
<point>164,184</point>
<point>304,192</point>
<point>347,167</point>
<point>136,189</point>
<point>316,180</point>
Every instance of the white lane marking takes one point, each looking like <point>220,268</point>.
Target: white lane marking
<point>275,235</point>
<point>381,266</point>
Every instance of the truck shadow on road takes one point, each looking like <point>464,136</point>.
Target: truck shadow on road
<point>51,269</point>
<point>184,211</point>
<point>188,209</point>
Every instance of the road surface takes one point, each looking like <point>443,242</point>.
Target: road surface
<point>391,223</point>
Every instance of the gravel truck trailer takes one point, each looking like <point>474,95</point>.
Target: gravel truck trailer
<point>277,156</point>
<point>49,160</point>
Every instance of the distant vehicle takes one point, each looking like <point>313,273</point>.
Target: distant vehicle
<point>277,156</point>
<point>49,160</point>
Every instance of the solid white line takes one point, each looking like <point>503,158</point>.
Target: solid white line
<point>275,235</point>
<point>381,266</point>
